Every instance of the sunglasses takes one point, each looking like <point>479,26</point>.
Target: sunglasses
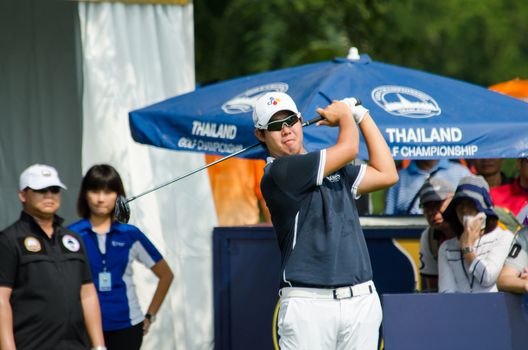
<point>277,125</point>
<point>52,189</point>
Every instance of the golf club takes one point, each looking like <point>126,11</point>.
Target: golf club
<point>122,209</point>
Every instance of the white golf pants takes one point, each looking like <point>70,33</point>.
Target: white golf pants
<point>312,319</point>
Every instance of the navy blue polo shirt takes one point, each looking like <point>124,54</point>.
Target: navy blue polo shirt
<point>316,221</point>
<point>46,276</point>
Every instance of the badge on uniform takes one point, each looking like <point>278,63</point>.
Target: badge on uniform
<point>32,244</point>
<point>71,243</point>
<point>105,281</point>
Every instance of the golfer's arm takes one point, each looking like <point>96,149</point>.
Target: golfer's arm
<point>346,148</point>
<point>381,170</point>
<point>164,273</point>
<point>7,338</point>
<point>92,314</point>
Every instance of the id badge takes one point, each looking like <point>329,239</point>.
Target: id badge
<point>105,281</point>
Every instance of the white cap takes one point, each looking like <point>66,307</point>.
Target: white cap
<point>39,176</point>
<point>269,104</point>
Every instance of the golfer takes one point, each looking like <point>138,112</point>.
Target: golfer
<point>328,299</point>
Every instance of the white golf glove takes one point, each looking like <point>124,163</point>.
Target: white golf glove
<point>358,111</point>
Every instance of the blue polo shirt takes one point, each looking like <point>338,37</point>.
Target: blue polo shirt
<point>316,221</point>
<point>124,243</point>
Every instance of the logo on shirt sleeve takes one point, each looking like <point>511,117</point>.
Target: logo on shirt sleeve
<point>32,244</point>
<point>71,243</point>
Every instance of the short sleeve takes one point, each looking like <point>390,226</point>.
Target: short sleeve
<point>144,251</point>
<point>8,262</point>
<point>298,173</point>
<point>354,175</point>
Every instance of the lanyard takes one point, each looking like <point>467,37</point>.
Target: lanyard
<point>103,254</point>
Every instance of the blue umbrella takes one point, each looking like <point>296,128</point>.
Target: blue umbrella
<point>421,115</point>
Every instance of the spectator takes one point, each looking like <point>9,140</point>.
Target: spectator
<point>112,248</point>
<point>402,198</point>
<point>514,196</point>
<point>47,298</point>
<point>435,196</point>
<point>235,184</point>
<point>472,261</point>
<point>514,275</point>
<point>490,169</point>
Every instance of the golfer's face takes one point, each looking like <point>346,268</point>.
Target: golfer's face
<point>101,202</point>
<point>287,140</point>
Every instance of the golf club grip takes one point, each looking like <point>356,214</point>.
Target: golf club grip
<point>319,117</point>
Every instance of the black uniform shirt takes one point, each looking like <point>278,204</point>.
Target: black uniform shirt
<point>46,276</point>
<point>316,221</point>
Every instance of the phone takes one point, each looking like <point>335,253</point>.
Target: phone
<point>467,218</point>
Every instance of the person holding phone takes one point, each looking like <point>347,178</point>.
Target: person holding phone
<point>471,262</point>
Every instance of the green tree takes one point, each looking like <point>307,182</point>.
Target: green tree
<point>480,41</point>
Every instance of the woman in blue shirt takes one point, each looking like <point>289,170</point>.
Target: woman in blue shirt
<point>112,247</point>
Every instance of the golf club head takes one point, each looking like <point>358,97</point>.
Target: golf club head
<point>122,210</point>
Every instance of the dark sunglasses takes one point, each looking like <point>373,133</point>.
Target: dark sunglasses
<point>277,125</point>
<point>52,189</point>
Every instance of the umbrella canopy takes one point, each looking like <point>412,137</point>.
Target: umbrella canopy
<point>421,115</point>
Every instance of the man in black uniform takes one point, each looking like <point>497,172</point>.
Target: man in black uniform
<point>328,299</point>
<point>47,298</point>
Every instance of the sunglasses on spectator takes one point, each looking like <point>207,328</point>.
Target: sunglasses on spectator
<point>277,125</point>
<point>52,189</point>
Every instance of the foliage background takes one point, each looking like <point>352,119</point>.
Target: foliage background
<point>479,41</point>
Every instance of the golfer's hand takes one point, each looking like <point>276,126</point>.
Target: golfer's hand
<point>335,113</point>
<point>358,111</point>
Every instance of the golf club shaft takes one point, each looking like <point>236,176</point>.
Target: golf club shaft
<point>193,172</point>
<point>309,122</point>
<point>306,123</point>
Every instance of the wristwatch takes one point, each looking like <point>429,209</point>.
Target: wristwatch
<point>467,250</point>
<point>150,317</point>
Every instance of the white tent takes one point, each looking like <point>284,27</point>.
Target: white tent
<point>122,56</point>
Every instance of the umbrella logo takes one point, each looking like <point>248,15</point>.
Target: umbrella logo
<point>244,102</point>
<point>405,102</point>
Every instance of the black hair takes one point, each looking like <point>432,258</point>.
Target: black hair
<point>98,177</point>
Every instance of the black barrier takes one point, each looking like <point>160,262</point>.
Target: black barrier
<point>247,273</point>
<point>485,321</point>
